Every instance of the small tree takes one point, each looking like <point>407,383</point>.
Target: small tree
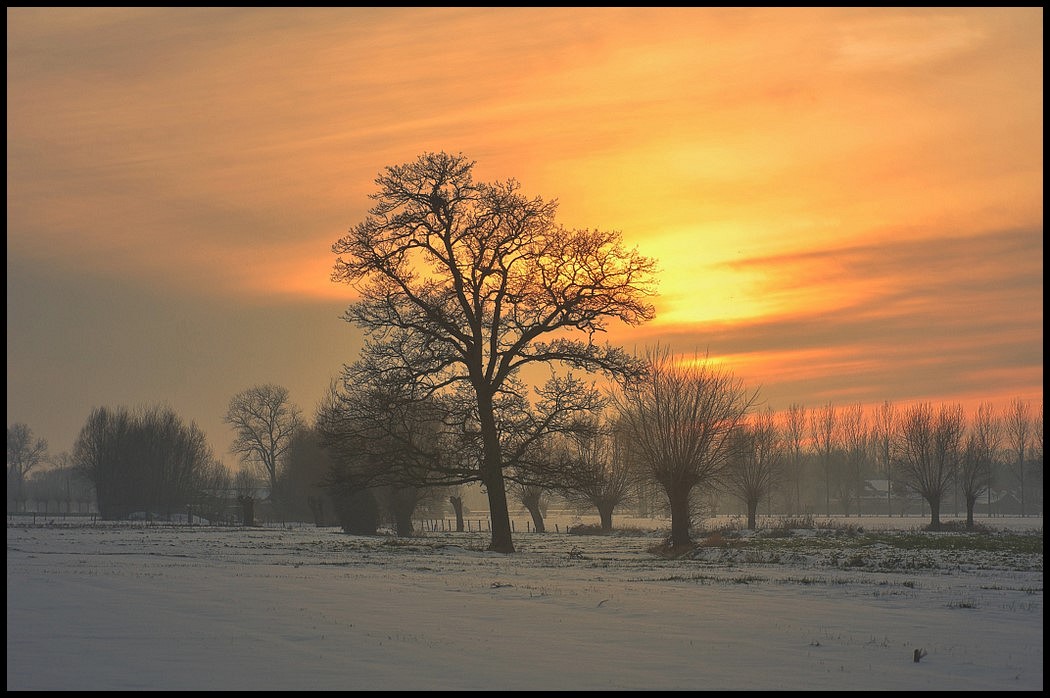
<point>534,499</point>
<point>679,418</point>
<point>885,424</point>
<point>24,452</point>
<point>926,452</point>
<point>794,439</point>
<point>263,420</point>
<point>592,467</point>
<point>979,453</point>
<point>756,463</point>
<point>1019,435</point>
<point>824,428</point>
<point>855,443</point>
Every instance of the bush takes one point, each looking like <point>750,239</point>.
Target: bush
<point>357,511</point>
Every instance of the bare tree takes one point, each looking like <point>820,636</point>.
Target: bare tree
<point>824,428</point>
<point>795,438</point>
<point>885,423</point>
<point>855,443</point>
<point>534,499</point>
<point>263,420</point>
<point>592,467</point>
<point>979,453</point>
<point>1019,435</point>
<point>756,463</point>
<point>466,283</point>
<point>24,452</point>
<point>679,418</point>
<point>926,452</point>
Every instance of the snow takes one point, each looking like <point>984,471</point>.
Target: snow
<point>163,607</point>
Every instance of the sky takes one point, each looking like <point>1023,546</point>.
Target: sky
<point>845,204</point>
<point>206,608</point>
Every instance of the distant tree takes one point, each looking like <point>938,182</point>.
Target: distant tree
<point>464,283</point>
<point>148,461</point>
<point>926,449</point>
<point>885,423</point>
<point>592,467</point>
<point>24,453</point>
<point>1019,437</point>
<point>302,480</point>
<point>795,438</point>
<point>61,483</point>
<point>214,491</point>
<point>679,417</point>
<point>756,463</point>
<point>385,438</point>
<point>979,454</point>
<point>455,498</point>
<point>534,499</point>
<point>263,420</point>
<point>824,428</point>
<point>855,445</point>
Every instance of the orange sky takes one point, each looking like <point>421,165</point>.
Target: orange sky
<point>846,204</point>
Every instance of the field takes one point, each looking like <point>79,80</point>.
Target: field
<point>842,606</point>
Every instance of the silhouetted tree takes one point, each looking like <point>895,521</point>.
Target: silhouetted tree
<point>795,423</point>
<point>756,463</point>
<point>302,480</point>
<point>855,446</point>
<point>679,417</point>
<point>979,453</point>
<point>24,452</point>
<point>885,423</point>
<point>533,498</point>
<point>263,420</point>
<point>1018,423</point>
<point>590,466</point>
<point>824,428</point>
<point>148,461</point>
<point>466,283</point>
<point>456,500</point>
<point>926,450</point>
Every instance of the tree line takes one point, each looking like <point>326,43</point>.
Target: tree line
<point>467,292</point>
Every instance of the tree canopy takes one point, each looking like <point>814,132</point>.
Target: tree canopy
<point>464,283</point>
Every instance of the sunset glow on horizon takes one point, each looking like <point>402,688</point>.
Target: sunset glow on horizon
<point>844,204</point>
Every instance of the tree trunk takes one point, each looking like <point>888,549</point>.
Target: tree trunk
<point>605,513</point>
<point>501,540</point>
<point>752,514</point>
<point>537,516</point>
<point>679,502</point>
<point>248,511</point>
<point>457,506</point>
<point>970,503</point>
<point>935,514</point>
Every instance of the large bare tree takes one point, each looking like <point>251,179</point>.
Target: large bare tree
<point>679,418</point>
<point>462,282</point>
<point>24,452</point>
<point>264,420</point>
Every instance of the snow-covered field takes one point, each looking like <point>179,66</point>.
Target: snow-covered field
<point>136,607</point>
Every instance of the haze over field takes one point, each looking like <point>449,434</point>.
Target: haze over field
<point>846,203</point>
